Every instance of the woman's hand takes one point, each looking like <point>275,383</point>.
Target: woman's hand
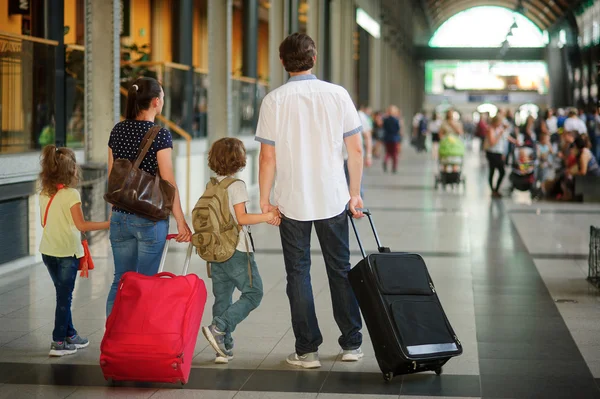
<point>184,234</point>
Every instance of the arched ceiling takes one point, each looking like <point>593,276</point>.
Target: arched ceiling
<point>543,13</point>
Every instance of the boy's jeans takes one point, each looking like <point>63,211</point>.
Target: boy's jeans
<point>333,236</point>
<point>226,277</point>
<point>63,272</point>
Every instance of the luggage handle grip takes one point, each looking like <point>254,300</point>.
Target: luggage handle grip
<point>380,248</point>
<point>188,255</point>
<point>165,274</point>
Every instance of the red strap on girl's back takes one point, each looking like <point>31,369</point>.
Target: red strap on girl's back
<point>59,187</point>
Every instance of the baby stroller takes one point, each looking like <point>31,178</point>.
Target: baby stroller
<point>451,153</point>
<point>522,177</point>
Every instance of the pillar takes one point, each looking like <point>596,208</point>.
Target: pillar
<point>55,21</point>
<point>292,14</point>
<point>324,40</point>
<point>184,50</point>
<point>250,50</point>
<point>102,57</point>
<point>375,92</point>
<point>277,22</point>
<point>343,23</point>
<point>364,67</point>
<point>219,64</point>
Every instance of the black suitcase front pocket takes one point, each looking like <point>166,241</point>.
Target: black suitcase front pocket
<point>422,327</point>
<point>401,274</point>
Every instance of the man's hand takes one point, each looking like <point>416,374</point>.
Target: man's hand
<point>354,203</point>
<point>268,207</point>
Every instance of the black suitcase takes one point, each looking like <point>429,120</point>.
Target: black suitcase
<point>408,327</point>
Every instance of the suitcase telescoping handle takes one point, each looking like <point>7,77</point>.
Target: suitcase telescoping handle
<point>188,255</point>
<point>380,247</point>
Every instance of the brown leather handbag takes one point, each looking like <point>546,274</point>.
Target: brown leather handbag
<point>137,191</point>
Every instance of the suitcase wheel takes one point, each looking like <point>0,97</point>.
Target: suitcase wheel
<point>388,376</point>
<point>438,371</point>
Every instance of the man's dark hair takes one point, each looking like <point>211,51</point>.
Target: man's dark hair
<point>297,52</point>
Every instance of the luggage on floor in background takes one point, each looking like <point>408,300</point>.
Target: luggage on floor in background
<point>152,330</point>
<point>407,325</point>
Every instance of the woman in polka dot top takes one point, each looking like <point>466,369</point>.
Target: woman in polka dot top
<point>138,243</point>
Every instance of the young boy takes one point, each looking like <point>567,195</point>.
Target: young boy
<point>227,157</point>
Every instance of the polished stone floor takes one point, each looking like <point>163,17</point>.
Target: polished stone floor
<point>499,267</point>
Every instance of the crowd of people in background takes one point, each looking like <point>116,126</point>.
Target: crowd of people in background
<point>550,148</point>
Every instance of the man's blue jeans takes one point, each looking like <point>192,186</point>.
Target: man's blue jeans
<point>333,236</point>
<point>63,272</point>
<point>226,277</point>
<point>137,245</point>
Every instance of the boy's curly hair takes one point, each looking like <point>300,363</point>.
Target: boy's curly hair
<point>227,156</point>
<point>59,166</point>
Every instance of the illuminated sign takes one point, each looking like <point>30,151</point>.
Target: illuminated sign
<point>365,21</point>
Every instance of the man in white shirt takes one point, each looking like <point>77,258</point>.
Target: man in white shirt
<point>574,124</point>
<point>302,128</point>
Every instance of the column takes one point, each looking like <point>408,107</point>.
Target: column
<point>55,22</point>
<point>375,93</point>
<point>277,22</point>
<point>336,33</point>
<point>219,66</point>
<point>250,50</point>
<point>184,55</point>
<point>324,45</point>
<point>293,23</point>
<point>364,67</point>
<point>102,44</point>
<point>313,21</point>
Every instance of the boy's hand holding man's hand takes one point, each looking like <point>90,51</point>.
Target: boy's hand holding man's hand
<point>274,214</point>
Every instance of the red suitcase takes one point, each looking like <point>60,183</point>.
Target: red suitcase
<point>152,330</point>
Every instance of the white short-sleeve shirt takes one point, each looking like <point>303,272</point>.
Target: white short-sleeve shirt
<point>575,124</point>
<point>307,121</point>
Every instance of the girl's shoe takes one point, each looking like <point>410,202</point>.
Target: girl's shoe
<point>58,349</point>
<point>78,341</point>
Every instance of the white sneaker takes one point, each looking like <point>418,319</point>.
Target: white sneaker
<point>352,355</point>
<point>223,359</point>
<point>307,361</point>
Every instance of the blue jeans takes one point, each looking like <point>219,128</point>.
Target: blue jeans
<point>226,277</point>
<point>63,272</point>
<point>137,244</point>
<point>333,236</point>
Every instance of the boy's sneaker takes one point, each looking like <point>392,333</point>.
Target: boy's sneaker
<point>352,355</point>
<point>307,361</point>
<point>224,359</point>
<point>61,349</point>
<point>78,341</point>
<point>216,339</point>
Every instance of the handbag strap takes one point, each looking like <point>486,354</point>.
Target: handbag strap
<point>59,187</point>
<point>146,144</point>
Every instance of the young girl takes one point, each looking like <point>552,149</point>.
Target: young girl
<point>227,157</point>
<point>61,248</point>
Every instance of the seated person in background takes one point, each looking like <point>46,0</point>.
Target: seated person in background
<point>545,153</point>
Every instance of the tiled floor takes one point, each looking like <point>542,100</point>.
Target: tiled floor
<point>499,266</point>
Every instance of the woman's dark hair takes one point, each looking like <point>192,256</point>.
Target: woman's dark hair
<point>297,52</point>
<point>581,142</point>
<point>141,93</point>
<point>227,156</point>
